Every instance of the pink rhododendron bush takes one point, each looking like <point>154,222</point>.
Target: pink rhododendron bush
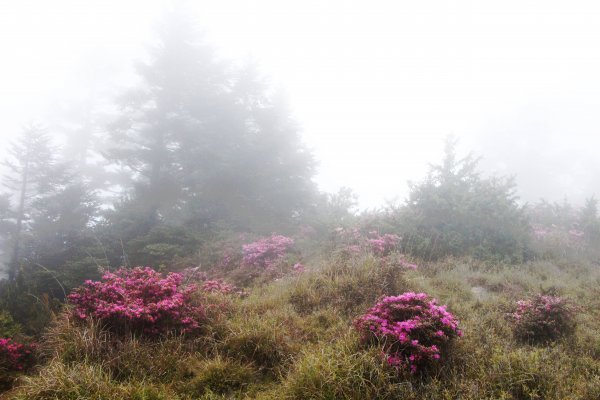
<point>412,328</point>
<point>139,300</point>
<point>543,318</point>
<point>267,252</point>
<point>354,241</point>
<point>383,245</point>
<point>15,356</point>
<point>218,286</point>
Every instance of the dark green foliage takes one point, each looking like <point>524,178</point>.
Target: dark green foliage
<point>8,326</point>
<point>162,245</point>
<point>29,303</point>
<point>457,212</point>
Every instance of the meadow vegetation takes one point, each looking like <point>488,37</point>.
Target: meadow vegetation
<point>219,271</point>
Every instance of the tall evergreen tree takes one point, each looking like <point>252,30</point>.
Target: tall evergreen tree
<point>205,140</point>
<point>32,172</point>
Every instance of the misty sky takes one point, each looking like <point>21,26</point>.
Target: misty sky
<point>375,85</point>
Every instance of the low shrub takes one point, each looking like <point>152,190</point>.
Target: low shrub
<point>218,286</point>
<point>383,245</point>
<point>267,252</point>
<point>412,329</point>
<point>15,356</point>
<point>543,318</point>
<point>346,286</point>
<point>139,300</point>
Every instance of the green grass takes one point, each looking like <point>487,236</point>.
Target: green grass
<point>293,339</point>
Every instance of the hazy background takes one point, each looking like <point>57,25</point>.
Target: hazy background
<point>376,86</point>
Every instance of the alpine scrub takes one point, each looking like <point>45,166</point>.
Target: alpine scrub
<point>139,300</point>
<point>412,329</point>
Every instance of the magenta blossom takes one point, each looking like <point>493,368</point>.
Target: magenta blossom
<point>267,252</point>
<point>15,356</point>
<point>139,300</point>
<point>412,328</point>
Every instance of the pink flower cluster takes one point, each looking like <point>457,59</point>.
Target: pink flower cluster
<point>267,252</point>
<point>15,356</point>
<point>139,300</point>
<point>218,286</point>
<point>383,245</point>
<point>412,328</point>
<point>406,264</point>
<point>543,318</point>
<point>573,237</point>
<point>299,268</point>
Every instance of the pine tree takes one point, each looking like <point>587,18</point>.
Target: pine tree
<point>205,140</point>
<point>33,172</point>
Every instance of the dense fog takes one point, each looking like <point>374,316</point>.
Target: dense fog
<point>374,90</point>
<point>312,200</point>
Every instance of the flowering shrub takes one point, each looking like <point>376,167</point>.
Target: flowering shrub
<point>543,318</point>
<point>267,252</point>
<point>407,264</point>
<point>299,268</point>
<point>413,330</point>
<point>193,274</point>
<point>15,356</point>
<point>354,241</point>
<point>383,245</point>
<point>139,300</point>
<point>218,286</point>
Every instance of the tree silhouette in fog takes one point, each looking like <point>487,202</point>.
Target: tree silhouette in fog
<point>206,140</point>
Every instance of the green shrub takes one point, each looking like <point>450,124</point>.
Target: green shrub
<point>543,318</point>
<point>457,212</point>
<point>346,286</point>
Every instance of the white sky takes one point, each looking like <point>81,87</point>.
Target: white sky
<point>376,85</point>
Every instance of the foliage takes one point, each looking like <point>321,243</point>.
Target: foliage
<point>15,359</point>
<point>15,356</point>
<point>161,245</point>
<point>8,326</point>
<point>267,252</point>
<point>383,245</point>
<point>457,212</point>
<point>33,173</point>
<point>203,140</point>
<point>139,300</point>
<point>218,286</point>
<point>413,330</point>
<point>261,347</point>
<point>346,285</point>
<point>543,318</point>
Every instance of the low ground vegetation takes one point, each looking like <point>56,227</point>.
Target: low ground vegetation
<point>496,331</point>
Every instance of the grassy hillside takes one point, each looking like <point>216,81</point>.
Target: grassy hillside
<point>293,338</point>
